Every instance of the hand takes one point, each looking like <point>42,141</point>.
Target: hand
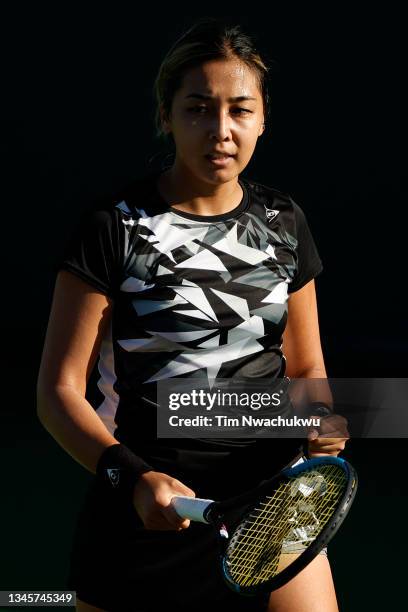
<point>331,437</point>
<point>151,498</point>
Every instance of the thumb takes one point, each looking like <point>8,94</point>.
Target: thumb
<point>169,511</point>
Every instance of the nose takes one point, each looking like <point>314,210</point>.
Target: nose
<point>220,126</point>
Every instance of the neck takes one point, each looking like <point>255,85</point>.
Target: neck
<point>185,192</point>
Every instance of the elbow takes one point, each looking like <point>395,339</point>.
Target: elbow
<point>313,371</point>
<point>45,394</point>
<point>41,404</point>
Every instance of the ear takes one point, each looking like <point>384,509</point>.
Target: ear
<point>165,123</point>
<point>261,129</point>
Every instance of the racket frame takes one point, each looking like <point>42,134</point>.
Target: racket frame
<point>215,514</point>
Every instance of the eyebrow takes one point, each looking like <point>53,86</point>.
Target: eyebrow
<point>208,97</point>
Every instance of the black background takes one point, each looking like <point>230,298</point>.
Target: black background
<point>77,123</point>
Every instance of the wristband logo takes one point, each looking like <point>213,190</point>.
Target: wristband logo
<point>113,475</point>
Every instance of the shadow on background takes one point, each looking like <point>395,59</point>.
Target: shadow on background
<point>78,124</point>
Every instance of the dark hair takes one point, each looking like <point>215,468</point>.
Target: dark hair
<point>206,40</point>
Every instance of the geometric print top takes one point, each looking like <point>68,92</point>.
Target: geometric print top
<point>193,296</point>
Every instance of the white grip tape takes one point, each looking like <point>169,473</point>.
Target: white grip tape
<point>191,507</point>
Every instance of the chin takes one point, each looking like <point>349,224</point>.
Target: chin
<point>213,176</point>
<point>219,175</point>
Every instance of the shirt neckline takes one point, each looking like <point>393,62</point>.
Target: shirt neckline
<point>231,214</point>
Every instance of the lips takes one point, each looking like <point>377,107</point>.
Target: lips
<point>218,155</point>
<point>219,161</point>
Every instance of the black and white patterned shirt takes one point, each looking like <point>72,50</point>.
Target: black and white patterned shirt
<point>202,296</point>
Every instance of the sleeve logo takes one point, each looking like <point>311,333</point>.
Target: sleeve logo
<point>113,475</point>
<point>271,213</point>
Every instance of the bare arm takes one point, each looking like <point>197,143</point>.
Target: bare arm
<point>301,338</point>
<point>78,321</point>
<point>302,346</point>
<point>303,352</point>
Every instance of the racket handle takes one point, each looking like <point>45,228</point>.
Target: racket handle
<point>191,507</point>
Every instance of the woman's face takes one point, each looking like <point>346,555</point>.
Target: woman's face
<point>217,111</point>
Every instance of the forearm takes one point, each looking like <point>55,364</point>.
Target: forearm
<point>311,385</point>
<point>74,424</point>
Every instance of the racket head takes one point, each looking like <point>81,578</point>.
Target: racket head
<point>309,501</point>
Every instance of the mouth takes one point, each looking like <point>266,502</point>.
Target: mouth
<point>219,160</point>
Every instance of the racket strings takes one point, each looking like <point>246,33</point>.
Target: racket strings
<point>268,551</point>
<point>264,554</point>
<point>297,512</point>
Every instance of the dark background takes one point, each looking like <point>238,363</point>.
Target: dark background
<point>77,124</point>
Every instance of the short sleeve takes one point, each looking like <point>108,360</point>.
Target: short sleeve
<point>93,251</point>
<point>309,264</point>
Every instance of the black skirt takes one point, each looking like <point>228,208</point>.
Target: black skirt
<point>118,565</point>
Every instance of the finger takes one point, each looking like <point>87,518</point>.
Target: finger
<point>321,440</point>
<point>327,448</point>
<point>184,490</point>
<point>328,454</point>
<point>329,439</point>
<point>163,524</point>
<point>337,431</point>
<point>332,421</point>
<point>334,435</point>
<point>175,519</point>
<point>328,432</point>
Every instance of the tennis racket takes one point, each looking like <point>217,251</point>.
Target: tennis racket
<point>303,505</point>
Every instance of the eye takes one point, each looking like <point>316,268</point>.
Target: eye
<point>201,109</point>
<point>198,109</point>
<point>240,110</point>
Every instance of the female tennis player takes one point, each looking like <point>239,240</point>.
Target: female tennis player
<point>192,271</point>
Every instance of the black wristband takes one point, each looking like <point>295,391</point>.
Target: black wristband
<point>119,469</point>
<point>320,409</point>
